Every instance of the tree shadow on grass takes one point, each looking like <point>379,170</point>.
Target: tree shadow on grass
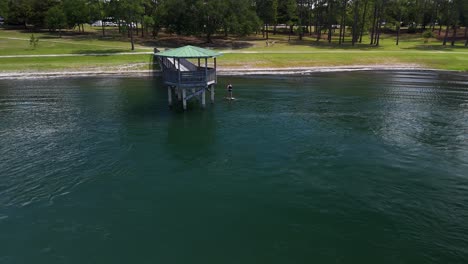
<point>79,36</point>
<point>438,47</point>
<point>50,37</point>
<point>102,52</point>
<point>174,41</point>
<point>333,45</point>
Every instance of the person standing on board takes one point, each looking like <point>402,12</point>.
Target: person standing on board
<point>229,89</point>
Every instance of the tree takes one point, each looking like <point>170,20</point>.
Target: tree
<point>448,19</point>
<point>157,15</point>
<point>212,13</point>
<point>302,11</point>
<point>363,22</point>
<point>378,18</point>
<point>131,10</point>
<point>240,18</point>
<point>400,8</point>
<point>319,10</point>
<point>20,12</point>
<point>464,19</point>
<point>460,13</point>
<point>287,14</point>
<point>56,19</point>
<point>397,10</point>
<point>267,11</point>
<point>39,10</point>
<point>344,4</point>
<point>176,16</point>
<point>98,10</point>
<point>77,13</point>
<point>354,29</point>
<point>4,9</point>
<point>331,17</point>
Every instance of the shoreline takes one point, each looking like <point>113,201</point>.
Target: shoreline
<point>221,71</point>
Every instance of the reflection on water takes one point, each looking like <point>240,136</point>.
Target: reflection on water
<point>330,167</point>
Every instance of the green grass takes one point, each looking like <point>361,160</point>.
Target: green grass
<point>283,53</point>
<point>308,53</point>
<point>14,42</point>
<point>88,63</point>
<point>446,61</point>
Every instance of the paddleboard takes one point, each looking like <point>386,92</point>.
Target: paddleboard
<point>230,98</point>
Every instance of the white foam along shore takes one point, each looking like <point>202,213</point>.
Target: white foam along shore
<point>221,71</point>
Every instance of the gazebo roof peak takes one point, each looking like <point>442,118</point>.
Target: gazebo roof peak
<point>189,52</point>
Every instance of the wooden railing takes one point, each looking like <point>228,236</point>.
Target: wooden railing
<point>166,64</point>
<point>199,77</point>
<point>211,75</point>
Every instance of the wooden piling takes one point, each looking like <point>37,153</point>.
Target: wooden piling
<point>212,93</point>
<point>203,98</point>
<point>184,100</point>
<point>169,95</point>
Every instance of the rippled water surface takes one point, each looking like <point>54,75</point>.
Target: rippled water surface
<point>364,167</point>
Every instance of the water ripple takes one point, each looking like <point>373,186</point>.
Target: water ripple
<point>377,160</point>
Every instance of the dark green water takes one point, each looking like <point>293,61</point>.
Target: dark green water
<point>367,167</point>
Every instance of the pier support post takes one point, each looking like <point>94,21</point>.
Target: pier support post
<point>169,95</point>
<point>179,93</point>
<point>184,101</point>
<point>212,93</point>
<point>203,98</point>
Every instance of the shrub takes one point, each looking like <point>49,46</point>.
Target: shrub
<point>427,35</point>
<point>33,41</point>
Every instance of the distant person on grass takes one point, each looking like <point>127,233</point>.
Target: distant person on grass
<point>229,89</point>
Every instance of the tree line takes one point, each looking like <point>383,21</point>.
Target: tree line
<point>321,19</point>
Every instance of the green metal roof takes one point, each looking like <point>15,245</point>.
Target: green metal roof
<point>188,52</point>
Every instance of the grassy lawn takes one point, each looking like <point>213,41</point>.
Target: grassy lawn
<point>279,53</point>
<point>88,63</point>
<point>447,61</point>
<point>15,42</point>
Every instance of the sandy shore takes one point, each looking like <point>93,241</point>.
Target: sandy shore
<point>221,71</point>
<point>308,70</point>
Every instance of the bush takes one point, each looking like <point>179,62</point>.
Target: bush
<point>412,29</point>
<point>427,35</point>
<point>33,41</point>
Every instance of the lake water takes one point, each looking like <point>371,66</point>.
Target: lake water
<point>362,167</point>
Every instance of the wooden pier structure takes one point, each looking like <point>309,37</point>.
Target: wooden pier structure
<point>184,79</point>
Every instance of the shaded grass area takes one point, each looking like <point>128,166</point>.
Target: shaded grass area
<point>387,42</point>
<point>280,53</point>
